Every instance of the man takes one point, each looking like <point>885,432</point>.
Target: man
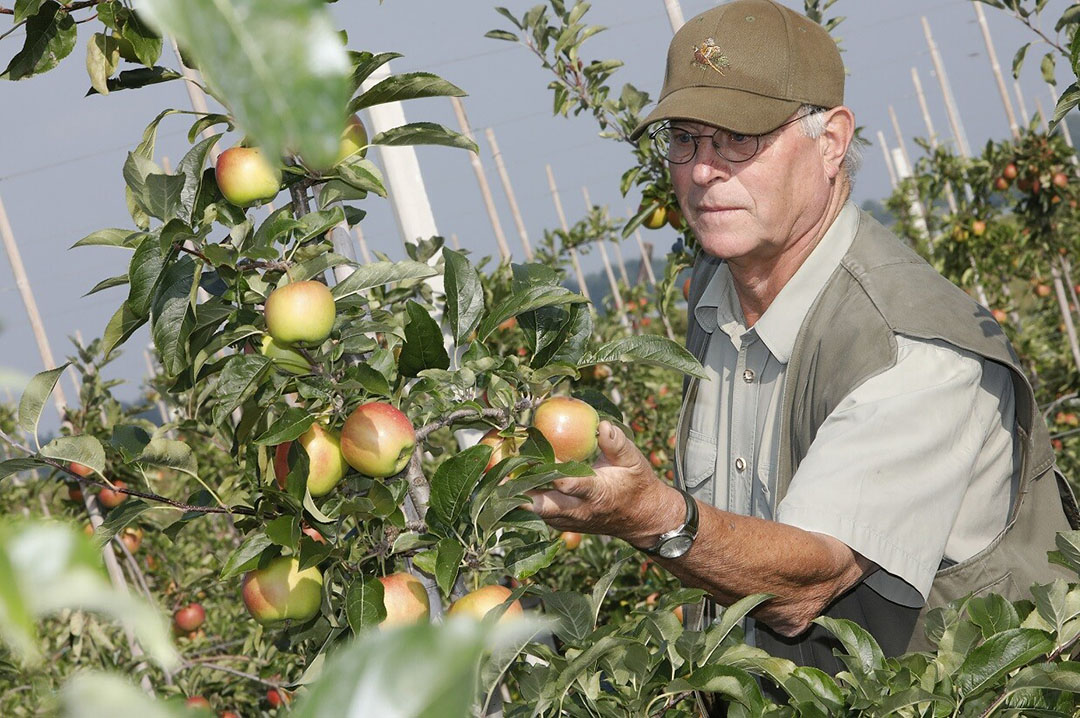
<point>865,445</point>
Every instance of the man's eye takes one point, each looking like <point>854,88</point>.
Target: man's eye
<point>738,139</point>
<point>681,137</point>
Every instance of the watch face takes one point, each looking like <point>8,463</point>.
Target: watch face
<point>676,546</point>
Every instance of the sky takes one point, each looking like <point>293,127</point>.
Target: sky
<point>61,153</point>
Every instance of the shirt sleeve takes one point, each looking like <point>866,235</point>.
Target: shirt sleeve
<point>893,466</point>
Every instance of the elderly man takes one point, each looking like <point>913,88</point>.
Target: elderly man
<point>866,445</point>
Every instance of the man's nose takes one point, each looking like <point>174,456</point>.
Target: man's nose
<point>708,166</point>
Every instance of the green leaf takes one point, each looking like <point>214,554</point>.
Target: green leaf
<point>246,557</point>
<point>733,683</point>
<point>85,449</point>
<point>314,224</point>
<point>464,295</point>
<point>108,283</point>
<point>1068,543</point>
<point>501,35</point>
<point>144,270</point>
<point>124,238</point>
<point>409,86</point>
<point>379,273</point>
<point>1069,99</point>
<point>573,613</point>
<point>527,300</point>
<point>985,665</point>
<point>145,43</point>
<point>448,555</point>
<point>34,396</point>
<point>361,174</point>
<point>120,327</point>
<point>50,37</point>
<point>284,531</point>
<point>26,8</point>
<point>129,440</point>
<point>364,604</point>
<point>15,466</point>
<point>732,616</point>
<point>162,196</point>
<point>454,481</point>
<point>280,65</point>
<point>423,133</point>
<point>423,347</point>
<point>102,57</point>
<point>857,641</point>
<point>117,519</point>
<point>647,348</point>
<point>294,422</point>
<point>1063,676</point>
<point>993,614</point>
<point>171,318</point>
<point>171,454</point>
<point>314,266</point>
<point>191,169</point>
<point>366,63</point>
<point>91,694</point>
<point>525,561</point>
<point>141,77</point>
<point>1018,60</point>
<point>1047,68</point>
<point>238,380</point>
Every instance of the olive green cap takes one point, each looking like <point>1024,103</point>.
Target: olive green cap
<point>747,66</point>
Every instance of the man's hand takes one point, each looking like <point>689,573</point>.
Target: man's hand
<point>624,499</point>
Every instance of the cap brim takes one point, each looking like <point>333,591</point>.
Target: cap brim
<point>734,110</point>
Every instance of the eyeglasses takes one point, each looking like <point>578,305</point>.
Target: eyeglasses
<point>678,146</point>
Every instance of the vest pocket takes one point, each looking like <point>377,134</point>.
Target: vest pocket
<point>700,462</point>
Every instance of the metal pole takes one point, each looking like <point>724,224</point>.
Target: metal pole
<point>996,68</point>
<point>582,287</point>
<point>504,177</point>
<point>481,179</point>
<point>946,90</point>
<point>674,14</point>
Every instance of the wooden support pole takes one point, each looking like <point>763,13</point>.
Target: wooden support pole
<point>1066,315</point>
<point>946,90</point>
<point>888,159</point>
<point>1063,125</point>
<point>646,257</point>
<point>196,96</point>
<point>504,177</point>
<point>950,197</point>
<point>899,137</point>
<point>622,264</point>
<point>996,68</point>
<point>454,242</point>
<point>364,253</point>
<point>616,293</point>
<point>1020,104</point>
<point>1044,121</point>
<point>582,287</point>
<point>481,179</point>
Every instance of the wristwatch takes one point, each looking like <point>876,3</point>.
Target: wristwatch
<point>677,542</point>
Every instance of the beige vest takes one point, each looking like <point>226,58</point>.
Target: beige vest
<point>881,289</point>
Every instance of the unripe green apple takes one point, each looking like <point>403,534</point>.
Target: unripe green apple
<point>326,465</point>
<point>245,177</point>
<point>300,312</point>
<point>282,591</point>
<point>377,439</point>
<point>405,600</point>
<point>569,425</point>
<point>478,603</point>
<point>284,357</point>
<point>354,140</point>
<point>654,219</point>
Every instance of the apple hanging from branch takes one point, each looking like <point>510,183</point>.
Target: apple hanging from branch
<point>405,600</point>
<point>377,439</point>
<point>326,464</point>
<point>300,312</point>
<point>282,591</point>
<point>569,425</point>
<point>245,177</point>
<point>477,604</point>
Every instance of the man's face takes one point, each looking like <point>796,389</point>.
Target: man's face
<point>750,212</point>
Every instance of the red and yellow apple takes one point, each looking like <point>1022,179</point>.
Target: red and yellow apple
<point>572,539</point>
<point>81,469</point>
<point>502,447</point>
<point>300,312</point>
<point>282,591</point>
<point>284,356</point>
<point>326,464</point>
<point>110,498</point>
<point>480,602</point>
<point>245,177</point>
<point>354,140</point>
<point>277,697</point>
<point>654,219</point>
<point>131,538</point>
<point>188,618</point>
<point>405,599</point>
<point>377,439</point>
<point>197,702</point>
<point>569,425</point>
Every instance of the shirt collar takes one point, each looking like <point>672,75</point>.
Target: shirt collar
<point>779,325</point>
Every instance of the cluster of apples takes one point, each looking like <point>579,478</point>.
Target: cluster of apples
<point>246,178</point>
<point>110,498</point>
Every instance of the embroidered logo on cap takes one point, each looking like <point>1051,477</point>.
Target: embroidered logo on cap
<point>708,54</point>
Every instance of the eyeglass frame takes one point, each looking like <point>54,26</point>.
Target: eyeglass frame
<point>712,137</point>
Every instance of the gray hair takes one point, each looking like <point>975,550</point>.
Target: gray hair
<point>813,126</point>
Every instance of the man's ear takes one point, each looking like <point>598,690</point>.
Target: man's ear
<point>837,137</point>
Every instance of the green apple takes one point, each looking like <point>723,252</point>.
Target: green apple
<point>377,439</point>
<point>480,602</point>
<point>245,177</point>
<point>569,425</point>
<point>405,600</point>
<point>284,356</point>
<point>326,465</point>
<point>282,591</point>
<point>300,312</point>
<point>354,140</point>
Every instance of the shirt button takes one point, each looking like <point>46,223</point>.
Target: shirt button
<point>740,464</point>
<point>748,376</point>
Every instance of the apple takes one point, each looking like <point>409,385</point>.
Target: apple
<point>81,469</point>
<point>1010,172</point>
<point>656,458</point>
<point>75,493</point>
<point>229,714</point>
<point>189,618</point>
<point>678,613</point>
<point>686,289</point>
<point>245,177</point>
<point>354,140</point>
<point>569,425</point>
<point>654,219</point>
<point>312,534</point>
<point>1043,290</point>
<point>978,228</point>
<point>88,529</point>
<point>197,702</point>
<point>110,498</point>
<point>675,219</point>
<point>477,604</point>
<point>326,465</point>
<point>1060,179</point>
<point>377,439</point>
<point>1057,444</point>
<point>284,356</point>
<point>572,539</point>
<point>282,591</point>
<point>132,538</point>
<point>1000,316</point>
<point>277,697</point>
<point>508,324</point>
<point>502,447</point>
<point>405,599</point>
<point>300,312</point>
<point>1001,184</point>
